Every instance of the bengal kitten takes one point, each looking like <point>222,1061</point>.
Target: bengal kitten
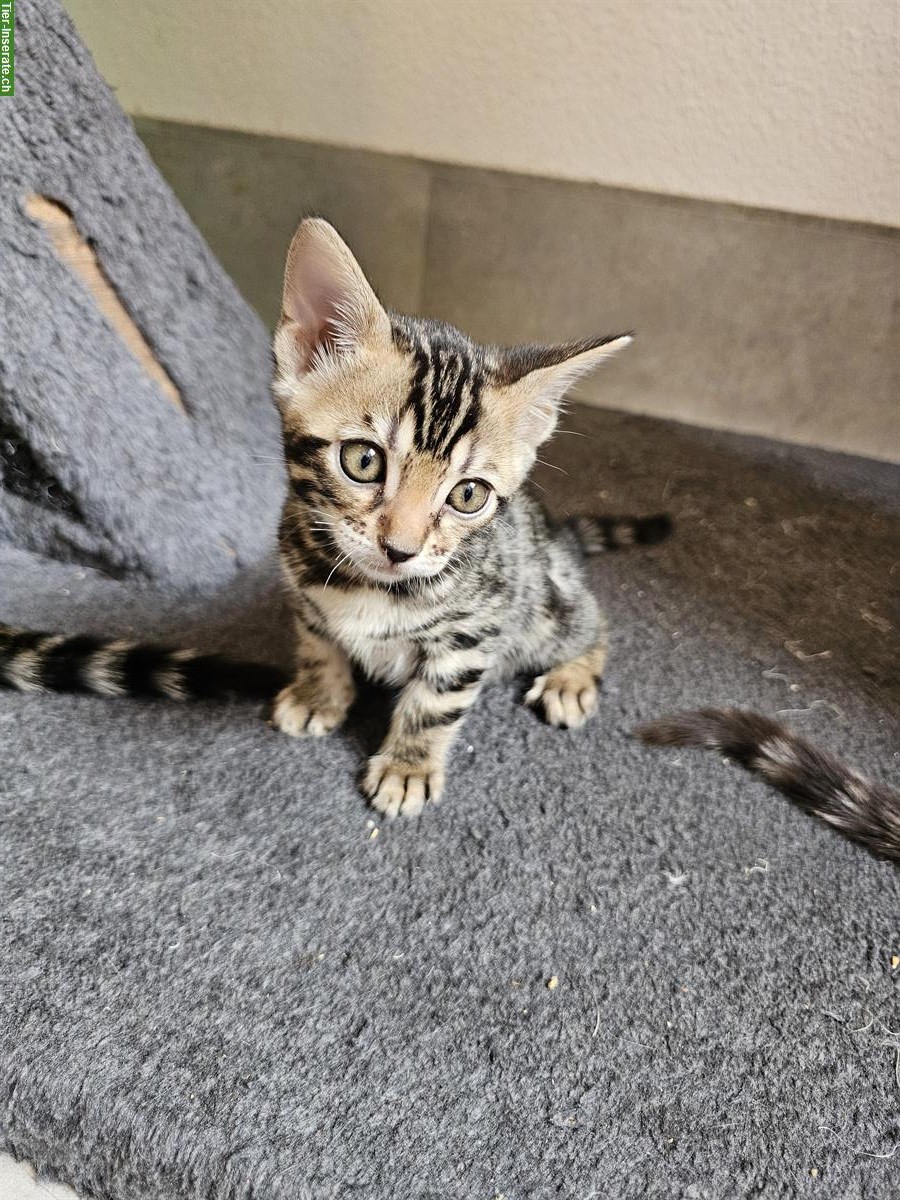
<point>409,548</point>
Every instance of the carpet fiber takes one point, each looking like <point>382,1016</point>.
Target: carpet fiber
<point>221,978</point>
<point>218,982</point>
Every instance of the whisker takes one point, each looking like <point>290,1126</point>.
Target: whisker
<point>552,466</point>
<point>333,569</point>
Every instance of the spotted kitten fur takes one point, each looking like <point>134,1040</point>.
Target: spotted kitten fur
<point>408,546</point>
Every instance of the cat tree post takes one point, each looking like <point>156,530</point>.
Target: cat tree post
<point>137,436</point>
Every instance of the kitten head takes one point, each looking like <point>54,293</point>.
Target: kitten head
<point>403,437</point>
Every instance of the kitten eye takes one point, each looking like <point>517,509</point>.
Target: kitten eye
<point>470,496</point>
<point>362,462</point>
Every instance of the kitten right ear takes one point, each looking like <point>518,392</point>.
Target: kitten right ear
<point>328,306</point>
<point>538,377</point>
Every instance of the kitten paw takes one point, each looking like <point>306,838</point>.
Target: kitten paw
<point>567,695</point>
<point>401,789</point>
<point>299,714</point>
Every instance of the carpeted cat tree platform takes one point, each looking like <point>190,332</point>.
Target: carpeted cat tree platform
<point>220,978</point>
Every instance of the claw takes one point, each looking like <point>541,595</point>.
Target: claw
<point>298,716</point>
<point>399,789</point>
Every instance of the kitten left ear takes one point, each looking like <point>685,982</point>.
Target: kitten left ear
<point>537,378</point>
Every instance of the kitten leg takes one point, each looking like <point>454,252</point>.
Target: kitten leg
<point>568,693</point>
<point>322,692</point>
<point>409,768</point>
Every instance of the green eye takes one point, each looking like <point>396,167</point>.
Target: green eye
<point>470,496</point>
<point>362,462</point>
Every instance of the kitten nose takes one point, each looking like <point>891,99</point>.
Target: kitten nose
<point>396,555</point>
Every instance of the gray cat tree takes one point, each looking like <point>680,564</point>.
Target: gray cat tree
<point>136,431</point>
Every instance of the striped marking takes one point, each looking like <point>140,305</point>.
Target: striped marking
<point>445,391</point>
<point>104,672</point>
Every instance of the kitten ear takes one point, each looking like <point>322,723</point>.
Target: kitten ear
<point>537,378</point>
<point>328,306</point>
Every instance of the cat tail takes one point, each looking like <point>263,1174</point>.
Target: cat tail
<point>46,662</point>
<point>596,535</point>
<point>820,784</point>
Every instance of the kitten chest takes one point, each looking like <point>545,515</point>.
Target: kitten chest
<point>374,629</point>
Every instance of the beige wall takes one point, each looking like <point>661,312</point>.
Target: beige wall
<point>786,104</point>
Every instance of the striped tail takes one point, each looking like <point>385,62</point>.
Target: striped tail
<point>820,784</point>
<point>46,662</point>
<point>596,535</point>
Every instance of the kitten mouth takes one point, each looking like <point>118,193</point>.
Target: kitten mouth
<point>385,572</point>
<point>374,567</point>
<point>388,572</point>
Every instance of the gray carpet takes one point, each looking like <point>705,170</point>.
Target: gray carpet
<point>216,982</point>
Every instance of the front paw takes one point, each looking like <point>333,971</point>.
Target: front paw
<point>400,788</point>
<point>298,712</point>
<point>567,695</point>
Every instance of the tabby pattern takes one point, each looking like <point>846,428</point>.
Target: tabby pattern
<point>31,661</point>
<point>410,549</point>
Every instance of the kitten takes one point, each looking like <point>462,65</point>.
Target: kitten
<point>407,543</point>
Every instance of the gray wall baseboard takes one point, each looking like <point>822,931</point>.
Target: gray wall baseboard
<point>747,320</point>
